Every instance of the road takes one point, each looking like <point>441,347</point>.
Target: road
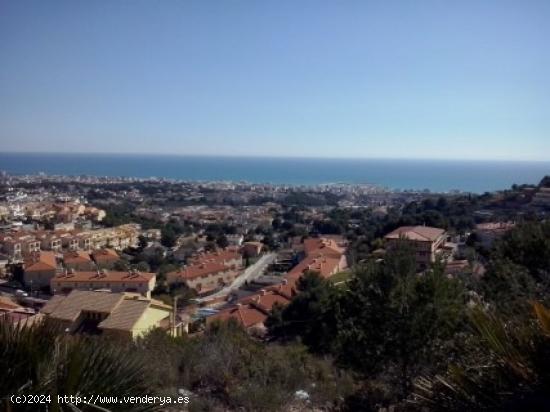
<point>250,273</point>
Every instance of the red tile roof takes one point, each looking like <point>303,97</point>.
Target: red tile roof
<point>220,256</point>
<point>6,304</point>
<point>41,262</point>
<point>322,246</point>
<point>322,255</point>
<point>104,276</point>
<point>419,233</point>
<point>105,255</point>
<point>265,300</point>
<point>246,315</point>
<point>199,270</point>
<point>76,257</point>
<point>324,265</point>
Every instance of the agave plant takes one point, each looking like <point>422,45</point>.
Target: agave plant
<point>43,359</point>
<point>511,372</point>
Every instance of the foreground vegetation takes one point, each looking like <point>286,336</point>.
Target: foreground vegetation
<point>222,369</point>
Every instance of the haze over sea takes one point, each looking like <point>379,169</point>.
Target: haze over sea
<point>436,175</point>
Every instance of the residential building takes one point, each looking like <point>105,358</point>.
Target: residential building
<point>132,281</point>
<point>12,312</point>
<point>105,258</point>
<point>203,277</point>
<point>69,241</point>
<point>210,271</point>
<point>322,255</point>
<point>252,311</point>
<point>426,241</point>
<point>40,269</point>
<point>252,249</point>
<point>542,197</point>
<point>17,245</point>
<point>78,261</point>
<point>112,314</point>
<point>249,317</point>
<point>489,232</point>
<point>50,241</point>
<point>229,257</point>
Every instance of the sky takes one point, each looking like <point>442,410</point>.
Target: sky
<point>398,79</point>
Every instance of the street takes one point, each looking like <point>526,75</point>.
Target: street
<point>252,272</point>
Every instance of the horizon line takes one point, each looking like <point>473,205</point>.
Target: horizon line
<point>263,156</point>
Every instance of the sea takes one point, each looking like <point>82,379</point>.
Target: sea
<point>474,176</point>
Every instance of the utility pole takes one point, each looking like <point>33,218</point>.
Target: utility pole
<point>174,315</point>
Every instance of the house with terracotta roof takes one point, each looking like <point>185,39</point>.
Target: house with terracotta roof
<point>322,255</point>
<point>324,246</point>
<point>69,240</point>
<point>40,269</point>
<point>78,260</point>
<point>326,266</point>
<point>249,317</point>
<point>50,240</point>
<point>203,277</point>
<point>12,312</point>
<point>112,314</point>
<point>252,311</point>
<point>132,281</point>
<point>426,242</point>
<point>266,299</point>
<point>229,257</point>
<point>7,304</point>
<point>252,249</point>
<point>19,245</point>
<point>209,271</point>
<point>105,258</point>
<point>488,233</point>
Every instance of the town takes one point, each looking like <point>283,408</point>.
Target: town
<point>181,255</point>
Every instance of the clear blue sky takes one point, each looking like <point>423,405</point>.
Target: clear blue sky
<point>419,79</point>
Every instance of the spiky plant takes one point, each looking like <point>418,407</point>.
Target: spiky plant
<point>509,372</point>
<point>42,359</point>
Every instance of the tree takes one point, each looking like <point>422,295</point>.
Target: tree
<point>168,236</point>
<point>397,322</point>
<point>142,242</point>
<point>121,265</point>
<point>308,315</point>
<point>390,323</point>
<point>143,267</point>
<point>222,241</point>
<point>528,245</point>
<point>545,182</point>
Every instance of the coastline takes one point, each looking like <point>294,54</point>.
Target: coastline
<point>438,176</point>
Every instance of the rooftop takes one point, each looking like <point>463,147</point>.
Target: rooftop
<point>419,233</point>
<point>105,254</point>
<point>199,270</point>
<point>105,276</point>
<point>123,310</point>
<point>41,261</point>
<point>76,257</point>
